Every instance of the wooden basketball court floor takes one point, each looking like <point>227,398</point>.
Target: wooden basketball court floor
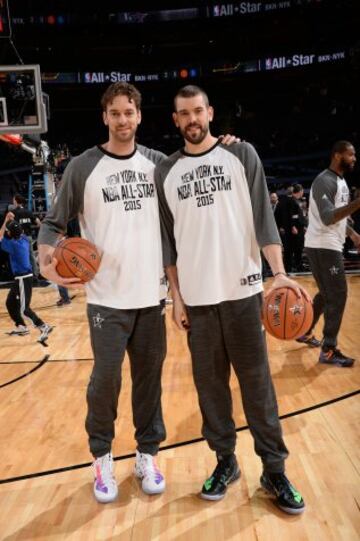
<point>46,481</point>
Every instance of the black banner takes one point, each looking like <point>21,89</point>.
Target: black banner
<point>187,73</point>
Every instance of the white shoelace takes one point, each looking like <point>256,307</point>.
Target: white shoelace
<point>103,468</point>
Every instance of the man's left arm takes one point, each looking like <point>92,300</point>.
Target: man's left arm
<point>166,220</point>
<point>264,222</point>
<point>266,230</point>
<point>355,237</point>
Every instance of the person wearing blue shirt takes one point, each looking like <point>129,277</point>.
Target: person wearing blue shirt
<point>16,244</point>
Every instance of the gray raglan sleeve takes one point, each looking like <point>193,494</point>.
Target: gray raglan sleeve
<point>69,202</point>
<point>154,156</point>
<point>323,191</point>
<point>166,217</point>
<point>266,230</point>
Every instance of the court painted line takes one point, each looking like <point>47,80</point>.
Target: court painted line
<point>37,309</point>
<point>49,361</point>
<point>173,445</point>
<point>39,365</point>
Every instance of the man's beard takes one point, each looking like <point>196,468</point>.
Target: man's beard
<point>197,138</point>
<point>345,166</point>
<point>125,136</point>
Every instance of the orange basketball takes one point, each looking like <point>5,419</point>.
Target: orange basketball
<point>77,258</point>
<point>286,316</point>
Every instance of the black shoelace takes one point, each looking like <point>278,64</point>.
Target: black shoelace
<point>339,354</point>
<point>221,471</point>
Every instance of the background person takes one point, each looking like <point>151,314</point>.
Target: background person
<point>328,211</point>
<point>27,220</point>
<point>295,231</point>
<point>16,244</point>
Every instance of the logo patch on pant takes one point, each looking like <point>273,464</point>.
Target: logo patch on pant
<point>97,321</point>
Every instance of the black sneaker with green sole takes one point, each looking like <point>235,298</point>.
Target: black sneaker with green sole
<point>226,471</point>
<point>288,499</point>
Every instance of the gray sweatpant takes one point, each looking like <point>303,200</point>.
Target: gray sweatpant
<point>141,333</point>
<point>328,269</point>
<point>230,333</point>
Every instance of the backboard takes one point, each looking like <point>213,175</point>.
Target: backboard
<point>21,105</point>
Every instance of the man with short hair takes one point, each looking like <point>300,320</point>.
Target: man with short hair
<point>274,200</point>
<point>216,213</point>
<point>111,189</point>
<point>23,215</point>
<point>328,211</point>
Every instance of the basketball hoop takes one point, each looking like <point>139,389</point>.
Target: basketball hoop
<point>12,138</point>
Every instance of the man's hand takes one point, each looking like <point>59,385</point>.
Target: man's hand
<point>355,237</point>
<point>50,273</point>
<point>48,268</point>
<point>356,241</point>
<point>229,139</point>
<point>281,280</point>
<point>179,314</point>
<point>294,230</point>
<point>9,216</point>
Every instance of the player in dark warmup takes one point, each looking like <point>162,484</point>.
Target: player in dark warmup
<point>328,211</point>
<point>16,244</point>
<point>216,213</point>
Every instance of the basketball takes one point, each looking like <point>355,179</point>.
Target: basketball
<point>77,258</point>
<point>286,316</point>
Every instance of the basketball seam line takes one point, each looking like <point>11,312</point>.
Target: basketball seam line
<point>64,262</point>
<point>286,302</point>
<point>72,251</point>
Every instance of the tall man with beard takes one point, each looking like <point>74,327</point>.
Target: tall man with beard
<point>328,209</point>
<point>216,214</point>
<point>110,188</point>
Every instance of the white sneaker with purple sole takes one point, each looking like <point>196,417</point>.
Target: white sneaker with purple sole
<point>105,487</point>
<point>152,480</point>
